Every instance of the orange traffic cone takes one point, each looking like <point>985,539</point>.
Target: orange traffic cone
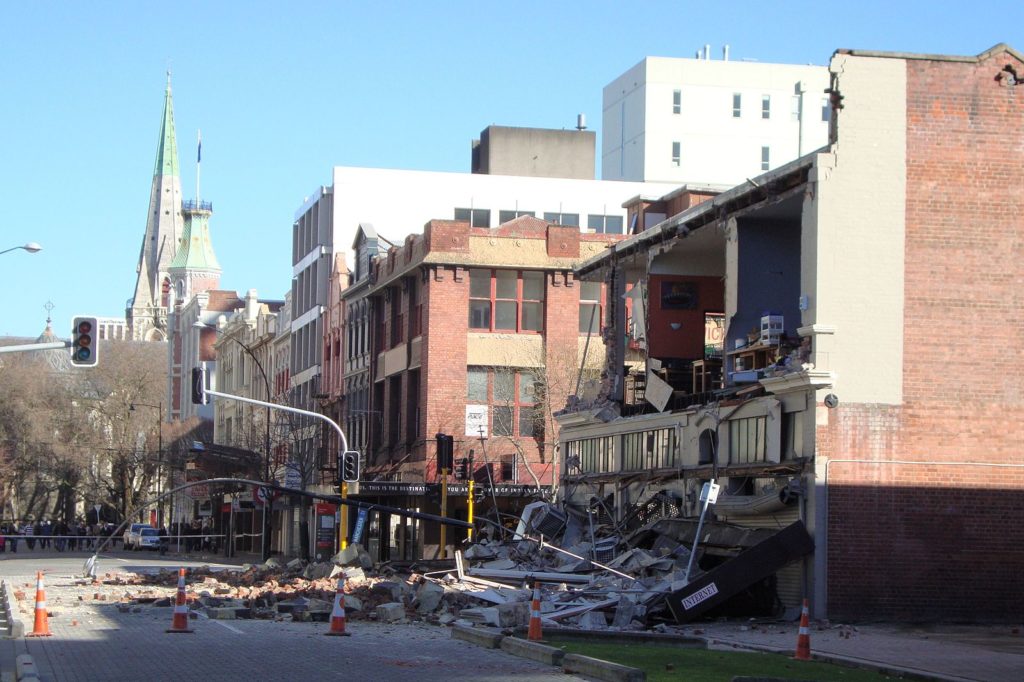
<point>41,628</point>
<point>179,622</point>
<point>803,640</point>
<point>338,613</point>
<point>534,633</point>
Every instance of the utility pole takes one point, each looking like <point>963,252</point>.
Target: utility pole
<point>469,495</point>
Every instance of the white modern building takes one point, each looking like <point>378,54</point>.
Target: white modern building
<point>710,120</point>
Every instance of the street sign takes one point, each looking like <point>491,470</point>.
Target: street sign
<point>709,493</point>
<point>264,493</point>
<point>292,476</point>
<point>199,492</point>
<point>357,532</point>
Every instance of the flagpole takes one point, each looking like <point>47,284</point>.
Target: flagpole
<point>199,159</point>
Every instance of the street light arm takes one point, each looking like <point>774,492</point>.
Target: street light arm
<point>31,247</point>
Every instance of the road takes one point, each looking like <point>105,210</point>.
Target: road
<point>94,640</point>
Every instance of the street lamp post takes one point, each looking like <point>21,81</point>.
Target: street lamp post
<point>160,455</point>
<point>31,247</point>
<point>268,502</point>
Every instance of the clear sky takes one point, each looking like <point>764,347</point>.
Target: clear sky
<point>284,91</point>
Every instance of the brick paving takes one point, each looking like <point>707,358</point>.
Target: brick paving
<point>93,640</point>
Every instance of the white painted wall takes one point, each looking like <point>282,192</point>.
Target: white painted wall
<point>856,263</point>
<point>639,126</point>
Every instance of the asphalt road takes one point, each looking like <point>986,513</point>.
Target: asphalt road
<point>94,640</point>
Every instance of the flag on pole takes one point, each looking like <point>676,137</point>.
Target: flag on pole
<point>199,153</point>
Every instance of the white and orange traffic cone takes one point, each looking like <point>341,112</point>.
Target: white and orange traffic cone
<point>803,640</point>
<point>338,613</point>
<point>179,622</point>
<point>41,628</point>
<point>534,633</point>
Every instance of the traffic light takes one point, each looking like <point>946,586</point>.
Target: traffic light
<point>462,469</point>
<point>350,466</point>
<point>445,451</point>
<point>85,342</point>
<point>199,386</point>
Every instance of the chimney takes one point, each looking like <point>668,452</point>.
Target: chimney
<point>725,53</point>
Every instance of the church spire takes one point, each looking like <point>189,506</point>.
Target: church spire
<point>147,309</point>
<point>167,147</point>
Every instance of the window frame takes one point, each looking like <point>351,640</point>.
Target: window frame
<point>512,404</point>
<point>677,151</point>
<point>586,306</point>
<point>766,157</point>
<point>737,105</point>
<point>476,217</point>
<point>559,218</point>
<point>520,301</point>
<point>766,107</point>
<point>603,219</point>
<point>677,101</point>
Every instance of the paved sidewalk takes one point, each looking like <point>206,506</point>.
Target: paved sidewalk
<point>941,652</point>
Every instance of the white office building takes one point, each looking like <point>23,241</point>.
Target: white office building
<point>712,121</point>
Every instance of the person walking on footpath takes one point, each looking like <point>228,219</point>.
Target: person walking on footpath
<point>28,530</point>
<point>12,532</point>
<point>164,540</point>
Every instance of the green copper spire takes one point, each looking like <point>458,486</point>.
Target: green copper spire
<point>167,149</point>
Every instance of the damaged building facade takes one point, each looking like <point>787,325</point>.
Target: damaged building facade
<point>833,342</point>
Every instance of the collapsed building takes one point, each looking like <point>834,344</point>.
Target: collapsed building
<point>831,342</point>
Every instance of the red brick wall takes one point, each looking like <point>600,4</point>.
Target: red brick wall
<point>944,539</point>
<point>443,375</point>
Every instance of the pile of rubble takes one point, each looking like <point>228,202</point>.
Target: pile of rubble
<point>586,581</point>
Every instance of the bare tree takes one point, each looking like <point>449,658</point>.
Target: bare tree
<point>528,390</point>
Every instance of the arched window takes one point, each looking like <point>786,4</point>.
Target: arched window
<point>708,445</point>
<point>180,290</point>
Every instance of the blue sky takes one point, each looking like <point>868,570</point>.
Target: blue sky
<point>283,94</point>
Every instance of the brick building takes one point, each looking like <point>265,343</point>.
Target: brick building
<point>879,404</point>
<point>474,332</point>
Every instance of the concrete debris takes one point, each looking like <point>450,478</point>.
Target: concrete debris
<point>589,575</point>
<point>390,612</point>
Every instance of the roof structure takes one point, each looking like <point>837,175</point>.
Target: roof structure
<point>167,147</point>
<point>196,249</point>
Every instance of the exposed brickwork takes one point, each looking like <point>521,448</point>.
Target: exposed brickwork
<point>944,540</point>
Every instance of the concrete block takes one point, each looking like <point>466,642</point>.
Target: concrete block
<point>624,613</point>
<point>352,603</point>
<point>601,670</point>
<point>428,597</point>
<point>349,555</point>
<point>593,620</point>
<point>513,614</point>
<point>390,589</point>
<point>26,668</point>
<point>488,615</point>
<point>535,651</point>
<point>485,637</point>
<point>390,612</point>
<point>221,613</point>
